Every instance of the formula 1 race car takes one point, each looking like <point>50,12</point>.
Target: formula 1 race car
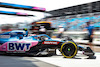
<point>4,37</point>
<point>37,44</point>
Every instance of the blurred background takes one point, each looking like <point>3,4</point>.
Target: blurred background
<point>72,17</point>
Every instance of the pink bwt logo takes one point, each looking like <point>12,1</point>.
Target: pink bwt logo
<point>18,46</point>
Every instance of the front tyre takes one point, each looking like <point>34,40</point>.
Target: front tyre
<point>69,49</point>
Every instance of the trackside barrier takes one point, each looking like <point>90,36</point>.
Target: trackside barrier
<point>80,35</point>
<point>95,43</point>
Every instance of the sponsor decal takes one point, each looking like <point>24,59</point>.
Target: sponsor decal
<point>51,42</point>
<point>31,34</point>
<point>4,36</point>
<point>18,46</point>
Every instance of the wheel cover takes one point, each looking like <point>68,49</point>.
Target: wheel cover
<point>69,49</point>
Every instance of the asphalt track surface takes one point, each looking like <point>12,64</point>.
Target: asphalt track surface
<point>79,61</point>
<point>22,61</point>
<point>53,61</point>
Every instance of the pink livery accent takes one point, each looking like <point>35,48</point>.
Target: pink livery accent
<point>18,45</point>
<point>19,13</point>
<point>39,8</point>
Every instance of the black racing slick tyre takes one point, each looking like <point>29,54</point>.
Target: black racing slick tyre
<point>69,49</point>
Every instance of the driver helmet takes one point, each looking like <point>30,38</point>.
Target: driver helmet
<point>25,29</point>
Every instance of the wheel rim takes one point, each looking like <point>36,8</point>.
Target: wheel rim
<point>69,49</point>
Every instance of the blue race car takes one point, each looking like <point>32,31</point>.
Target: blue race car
<point>17,42</point>
<point>4,37</point>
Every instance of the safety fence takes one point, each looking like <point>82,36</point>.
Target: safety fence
<point>78,36</point>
